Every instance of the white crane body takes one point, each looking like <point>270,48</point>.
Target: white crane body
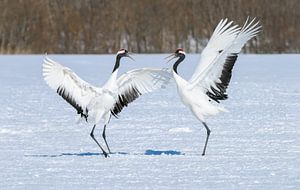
<point>95,103</point>
<point>212,75</point>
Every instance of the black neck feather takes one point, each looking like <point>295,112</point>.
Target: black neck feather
<point>117,64</point>
<point>181,58</point>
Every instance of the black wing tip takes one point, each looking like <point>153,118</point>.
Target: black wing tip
<point>61,91</point>
<point>217,97</point>
<point>124,99</point>
<point>114,114</point>
<point>224,78</point>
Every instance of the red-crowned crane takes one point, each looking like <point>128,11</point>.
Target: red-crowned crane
<point>213,73</point>
<point>95,103</point>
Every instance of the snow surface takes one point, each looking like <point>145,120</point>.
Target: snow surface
<point>157,142</point>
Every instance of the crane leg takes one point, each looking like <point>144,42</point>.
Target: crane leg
<point>104,137</point>
<point>93,137</point>
<point>207,136</point>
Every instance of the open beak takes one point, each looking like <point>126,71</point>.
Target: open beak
<point>170,57</point>
<point>129,56</point>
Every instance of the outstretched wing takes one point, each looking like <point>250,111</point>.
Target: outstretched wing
<point>68,85</point>
<point>136,82</point>
<point>223,36</point>
<point>214,72</point>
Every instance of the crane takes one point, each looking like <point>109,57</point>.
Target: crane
<point>96,103</point>
<point>208,84</point>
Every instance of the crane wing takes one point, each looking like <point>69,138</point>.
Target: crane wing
<point>68,85</point>
<point>223,35</point>
<point>136,82</point>
<point>214,72</point>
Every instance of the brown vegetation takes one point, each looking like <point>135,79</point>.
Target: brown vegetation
<point>148,26</point>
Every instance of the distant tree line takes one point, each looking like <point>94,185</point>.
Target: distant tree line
<point>143,26</point>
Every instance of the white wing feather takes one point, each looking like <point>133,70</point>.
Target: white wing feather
<point>210,72</point>
<point>222,37</point>
<point>136,82</point>
<point>145,80</point>
<point>71,87</point>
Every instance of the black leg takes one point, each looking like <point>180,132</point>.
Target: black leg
<point>92,135</point>
<point>207,136</point>
<point>104,137</point>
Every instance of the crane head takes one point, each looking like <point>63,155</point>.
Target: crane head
<point>178,53</point>
<point>124,53</point>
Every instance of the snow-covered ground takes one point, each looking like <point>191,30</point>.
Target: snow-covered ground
<point>157,142</point>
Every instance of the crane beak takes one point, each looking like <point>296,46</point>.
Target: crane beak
<point>170,57</point>
<point>129,56</point>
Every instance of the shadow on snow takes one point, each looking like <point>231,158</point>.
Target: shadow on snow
<point>72,154</point>
<point>160,152</point>
<point>147,152</point>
